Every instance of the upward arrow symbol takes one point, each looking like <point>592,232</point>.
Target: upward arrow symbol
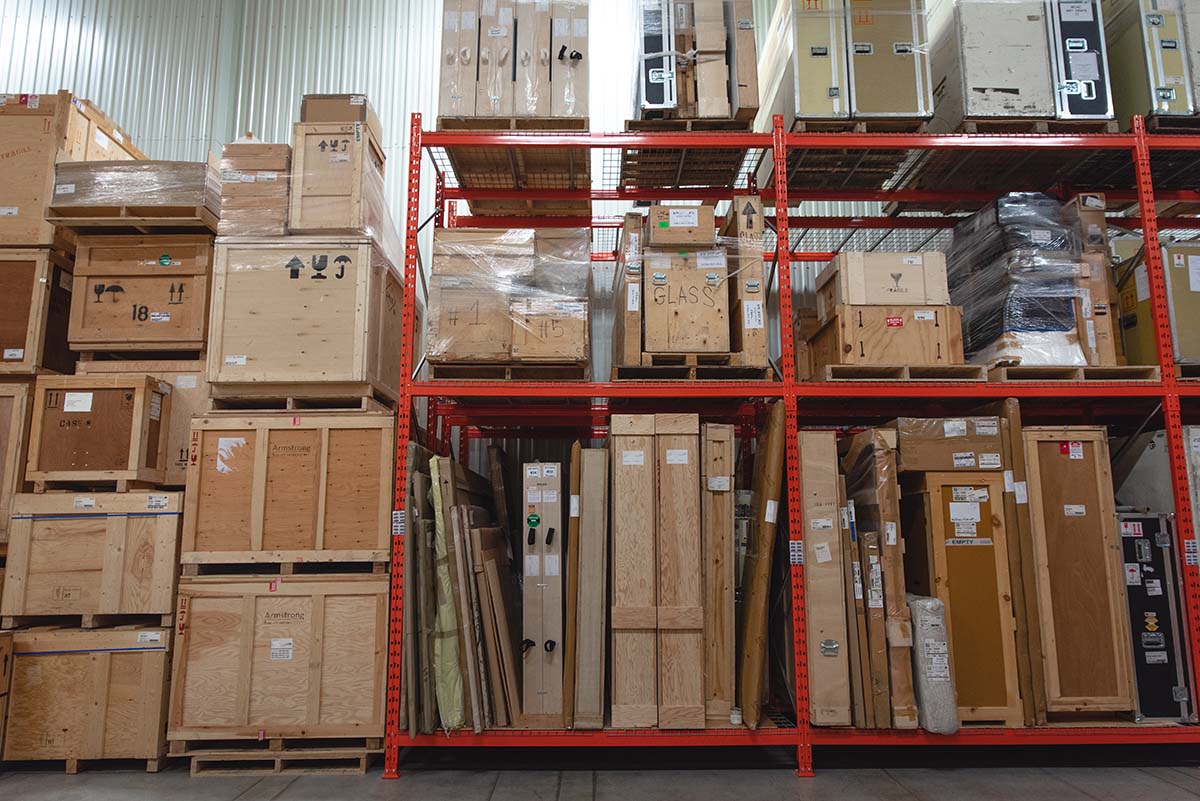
<point>749,213</point>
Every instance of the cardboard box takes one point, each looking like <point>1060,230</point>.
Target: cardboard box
<point>949,443</point>
<point>882,279</point>
<point>1086,211</point>
<point>1097,312</point>
<point>686,302</point>
<point>691,226</point>
<point>341,108</point>
<point>459,65</point>
<point>889,335</point>
<point>712,67</point>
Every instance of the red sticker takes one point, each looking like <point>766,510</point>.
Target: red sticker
<point>895,322</point>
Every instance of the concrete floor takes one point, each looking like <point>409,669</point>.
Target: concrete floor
<point>908,784</point>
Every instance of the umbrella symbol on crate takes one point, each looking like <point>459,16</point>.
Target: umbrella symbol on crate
<point>112,289</point>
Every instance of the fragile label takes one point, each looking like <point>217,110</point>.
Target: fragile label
<point>185,381</point>
<point>924,316</point>
<point>752,314</point>
<point>1021,490</point>
<point>987,428</point>
<point>683,218</point>
<point>964,512</point>
<point>533,565</point>
<point>149,637</point>
<point>1131,528</point>
<point>77,402</point>
<point>969,494</point>
<point>677,456</point>
<point>64,189</point>
<point>1072,450</point>
<point>890,533</point>
<point>964,459</point>
<point>14,353</point>
<point>636,458</point>
<point>281,649</point>
<point>235,361</point>
<point>84,502</point>
<point>822,552</point>
<point>633,297</point>
<point>160,317</point>
<point>158,501</point>
<point>1133,574</point>
<point>771,512</point>
<point>719,484</point>
<point>33,101</point>
<point>954,428</point>
<point>821,524</point>
<point>551,564</point>
<point>989,461</point>
<point>1074,509</point>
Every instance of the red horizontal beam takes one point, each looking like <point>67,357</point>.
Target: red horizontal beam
<point>526,139</point>
<point>607,737</point>
<point>583,389</point>
<point>885,141</point>
<point>952,389</point>
<point>1106,735</point>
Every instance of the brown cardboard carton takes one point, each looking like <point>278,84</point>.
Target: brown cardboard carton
<point>686,302</point>
<point>882,279</point>
<point>570,58</point>
<point>691,226</point>
<point>341,108</point>
<point>460,43</point>
<point>712,68</point>
<point>1098,312</point>
<point>949,443</point>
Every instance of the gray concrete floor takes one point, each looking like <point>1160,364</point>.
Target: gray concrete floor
<point>992,784</point>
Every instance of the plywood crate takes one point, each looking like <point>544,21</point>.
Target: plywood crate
<point>147,293</point>
<point>190,397</point>
<point>80,695</point>
<point>255,181</point>
<point>99,428</point>
<point>318,314</point>
<point>685,302</point>
<point>35,306</point>
<point>263,657</point>
<point>95,554</point>
<point>337,179</point>
<point>889,335</point>
<point>38,131</point>
<point>15,412</point>
<point>289,487</point>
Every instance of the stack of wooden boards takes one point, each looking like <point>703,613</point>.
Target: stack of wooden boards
<point>1007,527</point>
<point>689,303</point>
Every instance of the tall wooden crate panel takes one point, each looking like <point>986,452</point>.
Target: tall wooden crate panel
<point>141,293</point>
<point>743,234</point>
<point>1080,575</point>
<point>337,180</point>
<point>324,313</point>
<point>717,472</point>
<point>634,574</point>
<point>99,694</point>
<point>284,487</point>
<point>824,591</point>
<point>99,428</point>
<point>592,612</point>
<point>35,308</point>
<point>679,563</point>
<point>95,554</point>
<point>269,656</point>
<point>15,408</point>
<point>542,595</point>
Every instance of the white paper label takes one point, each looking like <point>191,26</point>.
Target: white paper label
<point>533,565</point>
<point>633,457</point>
<point>550,471</point>
<point>1141,280</point>
<point>719,484</point>
<point>710,259</point>
<point>225,451</point>
<point>266,177</point>
<point>1075,10</point>
<point>1075,450</point>
<point>875,584</point>
<point>9,211</point>
<point>771,511</point>
<point>987,428</point>
<point>549,496</point>
<point>856,569</point>
<point>954,428</point>
<point>155,406</point>
<point>1021,490</point>
<point>989,461</point>
<point>821,524</point>
<point>281,649</point>
<point>923,315</point>
<point>551,564</point>
<point>160,317</point>
<point>562,26</point>
<point>101,138</point>
<point>1074,509</point>
<point>1156,657</point>
<point>964,528</point>
<point>1193,263</point>
<point>398,523</point>
<point>969,494</point>
<point>185,382</point>
<point>339,158</point>
<point>149,637</point>
<point>1133,574</point>
<point>580,27</point>
<point>158,501</point>
<point>964,459</point>
<point>533,496</point>
<point>1084,66</point>
<point>937,660</point>
<point>752,314</point>
<point>1040,236</point>
<point>1195,444</point>
<point>235,361</point>
<point>64,189</point>
<point>683,218</point>
<point>33,101</point>
<point>795,552</point>
<point>677,456</point>
<point>822,552</point>
<point>14,353</point>
<point>964,512</point>
<point>890,533</point>
<point>574,506</point>
<point>533,471</point>
<point>633,297</point>
<point>1154,587</point>
<point>84,502</point>
<point>77,402</point>
<point>1009,484</point>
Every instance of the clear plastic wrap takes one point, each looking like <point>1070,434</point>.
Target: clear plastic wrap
<point>933,680</point>
<point>509,295</point>
<point>136,183</point>
<point>254,188</point>
<point>946,444</point>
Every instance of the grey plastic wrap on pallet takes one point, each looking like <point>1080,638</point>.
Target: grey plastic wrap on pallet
<point>1014,268</point>
<point>933,679</point>
<point>145,184</point>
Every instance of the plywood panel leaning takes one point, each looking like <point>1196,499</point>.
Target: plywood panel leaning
<point>717,473</point>
<point>35,308</point>
<point>591,608</point>
<point>279,657</point>
<point>15,412</point>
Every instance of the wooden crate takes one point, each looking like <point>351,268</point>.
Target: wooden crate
<point>337,179</point>
<point>324,313</point>
<point>41,130</point>
<point>262,657</point>
<point>102,554</point>
<point>35,306</point>
<point>80,695</point>
<point>15,411</point>
<point>140,293</point>
<point>1080,577</point>
<point>685,303</point>
<point>285,487</point>
<point>889,335</point>
<point>99,428</point>
<point>190,397</point>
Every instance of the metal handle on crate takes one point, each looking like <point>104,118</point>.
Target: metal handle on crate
<point>549,536</point>
<point>532,536</point>
<point>549,646</point>
<point>526,645</point>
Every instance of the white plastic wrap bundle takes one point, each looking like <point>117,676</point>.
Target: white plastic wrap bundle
<point>937,702</point>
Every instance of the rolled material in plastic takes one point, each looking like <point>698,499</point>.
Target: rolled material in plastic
<point>136,183</point>
<point>937,702</point>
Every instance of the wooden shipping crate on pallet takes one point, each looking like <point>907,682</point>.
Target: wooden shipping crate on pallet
<point>100,554</point>
<point>40,130</point>
<point>35,306</point>
<point>685,302</point>
<point>310,316</point>
<point>889,335</point>
<point>289,487</point>
<point>262,657</point>
<point>99,428</point>
<point>141,293</point>
<point>15,412</point>
<point>86,695</point>
<point>337,179</point>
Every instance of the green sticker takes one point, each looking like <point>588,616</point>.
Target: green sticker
<point>534,520</point>
<point>665,224</point>
<point>164,260</point>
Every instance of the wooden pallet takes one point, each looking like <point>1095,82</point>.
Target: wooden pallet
<point>544,124</point>
<point>682,167</point>
<point>73,766</point>
<point>86,621</point>
<point>842,169</point>
<point>261,563</point>
<point>307,397</point>
<point>278,756</point>
<point>1163,124</point>
<point>508,372</point>
<point>299,404</point>
<point>1000,125</point>
<point>1187,372</point>
<point>939,372</point>
<point>1040,373</point>
<point>694,372</point>
<point>134,219</point>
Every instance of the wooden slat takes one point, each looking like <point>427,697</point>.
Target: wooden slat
<point>592,589</point>
<point>570,644</point>
<point>717,459</point>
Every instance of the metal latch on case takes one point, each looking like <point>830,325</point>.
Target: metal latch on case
<point>712,279</point>
<point>659,279</point>
<point>1154,639</point>
<point>1165,93</point>
<point>633,269</point>
<point>1077,45</point>
<point>753,286</point>
<point>829,647</point>
<point>1154,20</point>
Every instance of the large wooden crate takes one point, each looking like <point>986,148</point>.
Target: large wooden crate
<point>322,314</point>
<point>35,306</point>
<point>14,443</point>
<point>263,657</point>
<point>889,335</point>
<point>147,293</point>
<point>288,488</point>
<point>96,554</point>
<point>38,131</point>
<point>337,179</point>
<point>190,397</point>
<point>99,428</point>
<point>79,695</point>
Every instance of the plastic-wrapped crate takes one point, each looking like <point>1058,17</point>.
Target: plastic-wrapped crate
<point>937,703</point>
<point>141,184</point>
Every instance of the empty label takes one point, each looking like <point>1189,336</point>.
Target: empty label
<point>960,542</point>
<point>677,456</point>
<point>77,402</point>
<point>633,457</point>
<point>281,649</point>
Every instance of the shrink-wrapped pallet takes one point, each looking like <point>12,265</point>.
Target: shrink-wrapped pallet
<point>140,184</point>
